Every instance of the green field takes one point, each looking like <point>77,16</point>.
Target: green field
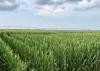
<point>38,50</point>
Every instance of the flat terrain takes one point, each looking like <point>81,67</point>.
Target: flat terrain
<point>39,50</point>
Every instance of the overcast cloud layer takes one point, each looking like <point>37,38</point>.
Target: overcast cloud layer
<point>49,6</point>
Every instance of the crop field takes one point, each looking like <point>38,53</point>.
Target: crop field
<point>38,50</point>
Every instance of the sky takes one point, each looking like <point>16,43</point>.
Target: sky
<point>50,14</point>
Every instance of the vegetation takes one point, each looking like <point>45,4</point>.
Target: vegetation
<point>37,50</point>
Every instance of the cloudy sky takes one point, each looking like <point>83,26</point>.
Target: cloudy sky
<point>50,14</point>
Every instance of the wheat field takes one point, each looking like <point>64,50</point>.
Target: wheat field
<point>45,50</point>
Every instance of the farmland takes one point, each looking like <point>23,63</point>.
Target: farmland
<point>38,50</point>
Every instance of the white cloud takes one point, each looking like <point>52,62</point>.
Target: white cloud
<point>8,4</point>
<point>50,7</point>
<point>61,7</point>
